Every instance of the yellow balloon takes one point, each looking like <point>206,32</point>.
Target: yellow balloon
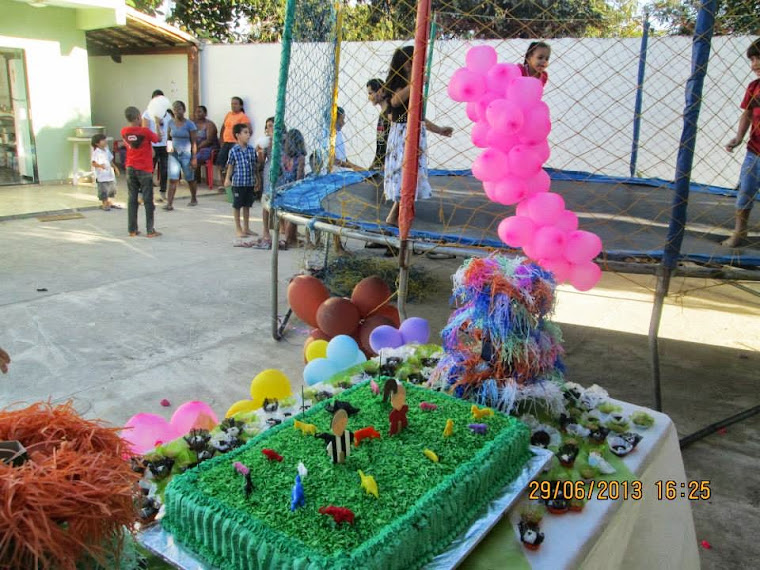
<point>241,406</point>
<point>270,384</point>
<point>316,349</point>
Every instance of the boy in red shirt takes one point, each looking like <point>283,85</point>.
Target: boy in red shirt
<point>139,171</point>
<point>749,182</point>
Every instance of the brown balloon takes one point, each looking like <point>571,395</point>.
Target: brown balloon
<point>305,295</point>
<point>365,330</point>
<point>317,334</point>
<point>390,312</point>
<point>369,294</point>
<point>338,316</point>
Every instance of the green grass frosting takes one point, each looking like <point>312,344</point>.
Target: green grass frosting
<point>422,505</point>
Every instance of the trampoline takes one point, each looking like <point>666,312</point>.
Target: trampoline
<point>631,215</point>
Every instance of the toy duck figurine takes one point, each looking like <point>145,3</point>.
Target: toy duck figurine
<point>397,417</point>
<point>448,431</point>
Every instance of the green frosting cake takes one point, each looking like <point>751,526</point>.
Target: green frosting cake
<point>422,506</point>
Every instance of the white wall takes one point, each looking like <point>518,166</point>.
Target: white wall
<point>591,93</point>
<point>246,71</point>
<point>116,86</point>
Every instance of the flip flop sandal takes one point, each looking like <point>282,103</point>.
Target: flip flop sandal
<point>168,208</point>
<point>283,245</point>
<point>262,245</point>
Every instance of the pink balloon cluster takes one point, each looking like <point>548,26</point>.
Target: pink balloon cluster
<point>144,431</point>
<point>512,124</point>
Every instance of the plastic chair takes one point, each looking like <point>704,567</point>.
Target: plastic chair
<point>210,169</point>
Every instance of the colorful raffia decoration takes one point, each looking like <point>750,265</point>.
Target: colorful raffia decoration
<point>72,498</point>
<point>501,347</point>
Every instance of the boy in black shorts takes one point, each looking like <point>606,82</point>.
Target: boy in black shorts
<point>241,170</point>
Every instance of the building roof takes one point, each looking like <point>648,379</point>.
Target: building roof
<point>142,34</point>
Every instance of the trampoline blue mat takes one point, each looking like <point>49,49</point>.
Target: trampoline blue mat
<point>631,215</point>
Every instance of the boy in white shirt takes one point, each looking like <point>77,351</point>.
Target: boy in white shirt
<point>105,171</point>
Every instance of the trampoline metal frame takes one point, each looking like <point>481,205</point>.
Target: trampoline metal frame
<point>665,270</point>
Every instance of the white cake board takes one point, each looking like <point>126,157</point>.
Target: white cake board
<point>162,543</point>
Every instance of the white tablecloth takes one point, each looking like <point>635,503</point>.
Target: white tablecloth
<point>649,534</point>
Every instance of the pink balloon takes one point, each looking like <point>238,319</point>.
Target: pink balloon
<point>144,432</point>
<point>545,208</point>
<point>541,150</point>
<point>536,123</point>
<point>523,209</point>
<point>502,141</point>
<point>488,188</point>
<point>516,230</point>
<point>509,190</point>
<point>480,58</point>
<point>567,221</point>
<point>193,415</point>
<point>490,165</point>
<point>583,276</point>
<point>582,246</point>
<point>529,249</point>
<point>523,162</point>
<point>525,90</point>
<point>549,242</point>
<point>484,101</point>
<point>559,266</point>
<point>538,183</point>
<point>480,131</point>
<point>500,75</point>
<point>504,116</point>
<point>465,85</point>
<point>474,112</point>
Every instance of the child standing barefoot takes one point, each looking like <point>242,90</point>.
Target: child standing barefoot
<point>241,167</point>
<point>750,175</point>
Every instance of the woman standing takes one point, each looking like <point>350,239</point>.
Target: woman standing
<point>397,90</point>
<point>182,155</point>
<point>235,116</point>
<point>206,137</point>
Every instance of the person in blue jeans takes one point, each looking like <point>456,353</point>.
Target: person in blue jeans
<point>749,182</point>
<point>182,155</point>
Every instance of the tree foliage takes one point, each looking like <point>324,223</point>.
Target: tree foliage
<point>365,20</point>
<point>732,17</point>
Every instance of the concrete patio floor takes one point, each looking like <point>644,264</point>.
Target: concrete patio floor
<point>118,323</point>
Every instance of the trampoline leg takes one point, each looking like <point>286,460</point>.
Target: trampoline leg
<point>277,330</point>
<point>663,284</point>
<point>403,277</point>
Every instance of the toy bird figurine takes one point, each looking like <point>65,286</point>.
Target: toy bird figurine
<point>448,431</point>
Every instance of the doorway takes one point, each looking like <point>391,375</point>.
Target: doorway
<point>18,158</point>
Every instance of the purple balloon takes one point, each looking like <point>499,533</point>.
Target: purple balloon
<point>385,336</point>
<point>415,329</point>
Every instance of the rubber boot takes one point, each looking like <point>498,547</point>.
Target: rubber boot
<point>739,236</point>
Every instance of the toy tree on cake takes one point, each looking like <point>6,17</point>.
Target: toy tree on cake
<point>501,346</point>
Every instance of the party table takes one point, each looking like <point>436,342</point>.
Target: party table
<point>648,532</point>
<point>648,526</point>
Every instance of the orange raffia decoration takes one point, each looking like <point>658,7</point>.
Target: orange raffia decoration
<point>73,496</point>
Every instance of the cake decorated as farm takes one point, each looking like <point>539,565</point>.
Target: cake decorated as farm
<point>385,475</point>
